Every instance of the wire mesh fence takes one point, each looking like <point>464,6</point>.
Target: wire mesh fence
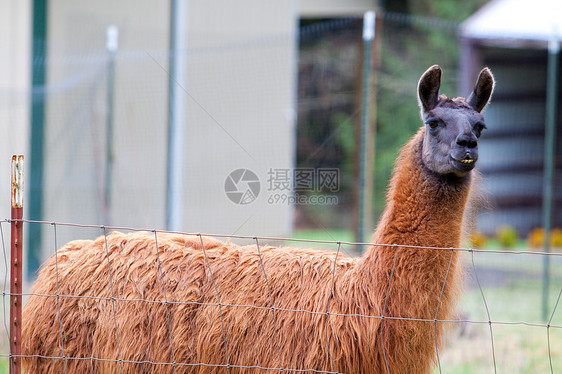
<point>486,325</point>
<point>500,325</point>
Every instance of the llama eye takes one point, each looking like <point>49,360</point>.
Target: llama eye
<point>478,128</point>
<point>432,123</point>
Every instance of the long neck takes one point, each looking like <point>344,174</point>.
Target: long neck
<point>423,208</point>
<point>426,210</point>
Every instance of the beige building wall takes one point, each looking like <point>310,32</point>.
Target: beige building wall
<point>15,57</point>
<point>240,108</point>
<point>76,116</point>
<point>335,8</point>
<point>241,97</point>
<point>239,100</point>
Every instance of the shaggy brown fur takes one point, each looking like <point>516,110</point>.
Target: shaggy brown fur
<point>424,209</point>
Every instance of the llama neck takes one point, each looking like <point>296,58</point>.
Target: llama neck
<point>426,210</point>
<point>423,209</point>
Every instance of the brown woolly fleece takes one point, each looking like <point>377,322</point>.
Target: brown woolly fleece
<point>423,209</point>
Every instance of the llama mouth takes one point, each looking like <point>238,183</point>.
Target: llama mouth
<point>464,165</point>
<point>467,160</point>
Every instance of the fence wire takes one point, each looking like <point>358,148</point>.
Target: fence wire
<point>273,308</point>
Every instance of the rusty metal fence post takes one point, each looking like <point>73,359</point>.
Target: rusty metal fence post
<point>16,264</point>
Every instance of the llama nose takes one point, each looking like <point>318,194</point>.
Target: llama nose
<point>467,140</point>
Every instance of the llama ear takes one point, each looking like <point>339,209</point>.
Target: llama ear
<point>428,88</point>
<point>482,92</point>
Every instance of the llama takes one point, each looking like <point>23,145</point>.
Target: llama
<point>222,308</point>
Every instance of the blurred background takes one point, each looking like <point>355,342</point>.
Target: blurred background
<point>263,118</point>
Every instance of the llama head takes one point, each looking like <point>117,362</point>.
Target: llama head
<point>452,126</point>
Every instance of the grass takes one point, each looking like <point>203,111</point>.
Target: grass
<point>518,348</point>
<point>328,235</point>
<point>512,286</point>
